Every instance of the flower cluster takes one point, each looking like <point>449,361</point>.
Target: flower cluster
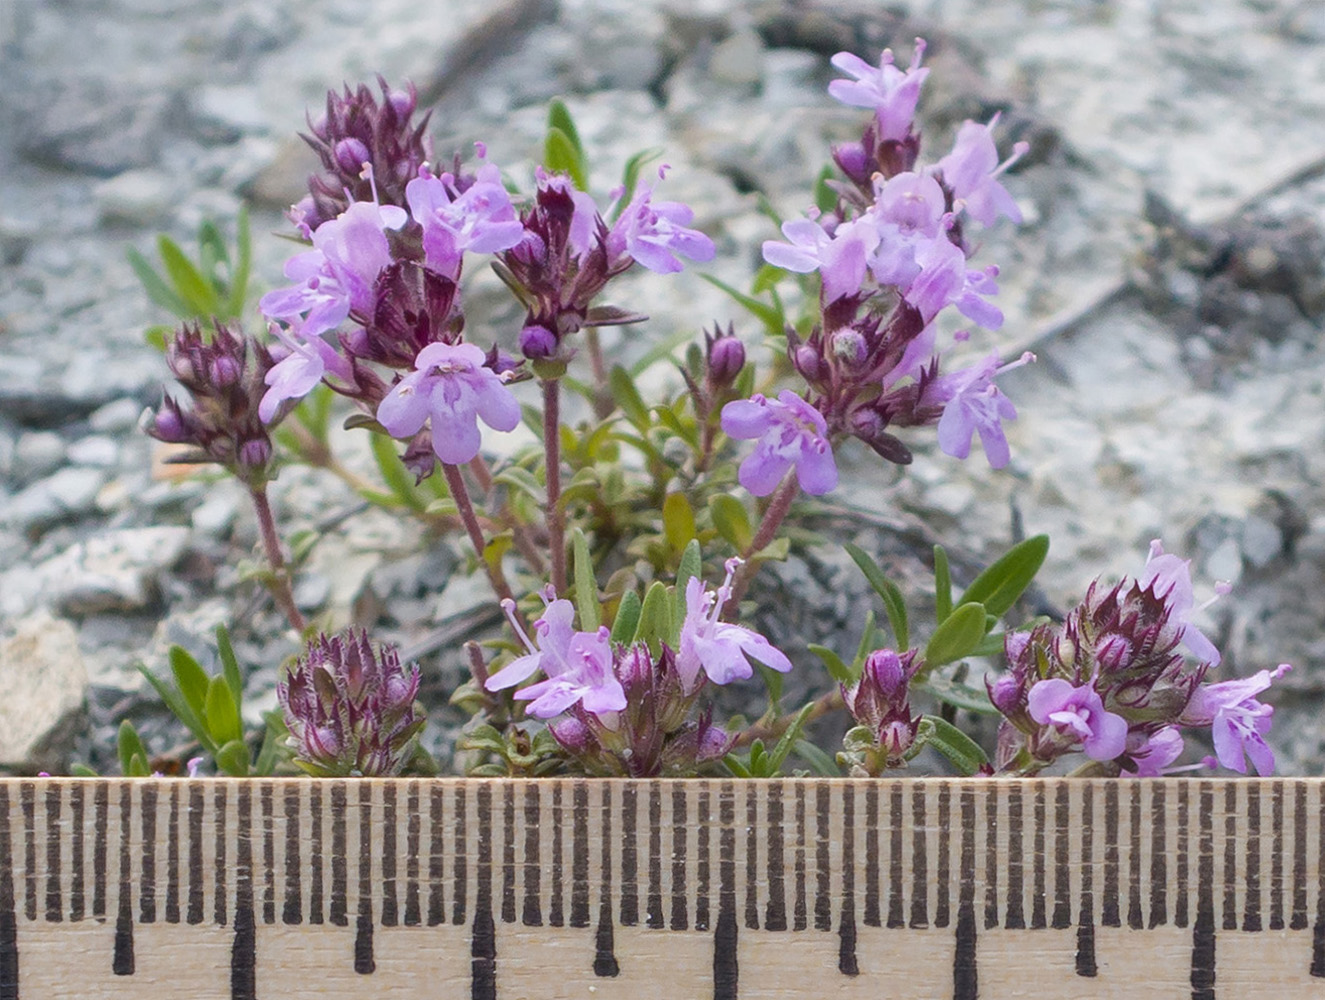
<point>350,707</point>
<point>381,279</point>
<point>628,709</point>
<point>223,372</point>
<point>880,703</point>
<point>890,257</point>
<point>1112,681</point>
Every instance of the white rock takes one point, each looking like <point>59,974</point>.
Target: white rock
<point>138,197</point>
<point>42,686</point>
<point>94,450</point>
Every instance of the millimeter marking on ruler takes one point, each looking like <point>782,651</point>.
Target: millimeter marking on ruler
<point>492,890</point>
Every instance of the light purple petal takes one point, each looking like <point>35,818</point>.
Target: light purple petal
<point>404,409</point>
<point>1109,736</point>
<point>816,471</point>
<point>519,669</point>
<point>496,406</point>
<point>745,419</point>
<point>761,472</point>
<point>1048,696</point>
<point>455,436</point>
<point>1228,748</point>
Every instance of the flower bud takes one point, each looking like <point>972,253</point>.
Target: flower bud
<point>537,342</point>
<point>167,425</point>
<point>1005,694</point>
<point>726,358</point>
<point>351,155</point>
<point>255,454</point>
<point>224,371</point>
<point>809,364</point>
<point>1113,653</point>
<point>853,161</point>
<point>849,346</point>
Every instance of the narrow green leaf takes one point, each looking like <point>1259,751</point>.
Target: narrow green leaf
<point>665,348</point>
<point>825,198</point>
<point>211,251</point>
<point>221,714</point>
<point>196,292</point>
<point>780,752</point>
<point>239,279</point>
<point>769,315</point>
<point>586,587</point>
<point>230,666</point>
<point>190,679</point>
<point>655,623</point>
<point>867,643</point>
<point>820,761</point>
<point>733,764</point>
<point>999,586</point>
<point>157,290</point>
<point>628,398</point>
<point>272,742</point>
<point>559,117</point>
<point>962,751</point>
<point>758,759</point>
<point>690,566</point>
<point>520,478</point>
<point>678,519</point>
<point>893,603</point>
<point>942,584</point>
<point>957,637</point>
<point>233,759</point>
<point>397,477</point>
<point>627,618</point>
<point>561,157</point>
<point>963,696</point>
<point>731,520</point>
<point>178,707</point>
<point>133,755</point>
<point>837,670</point>
<point>82,771</point>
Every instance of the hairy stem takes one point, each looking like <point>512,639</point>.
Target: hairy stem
<point>774,515</point>
<point>460,494</point>
<point>556,519</point>
<point>478,467</point>
<point>825,703</point>
<point>603,404</point>
<point>271,544</point>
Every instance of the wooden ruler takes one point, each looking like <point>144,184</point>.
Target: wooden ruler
<point>666,890</point>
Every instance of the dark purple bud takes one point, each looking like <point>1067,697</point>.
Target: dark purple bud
<point>224,371</point>
<point>853,161</point>
<point>1005,693</point>
<point>849,346</point>
<point>402,102</point>
<point>887,673</point>
<point>351,155</point>
<point>167,425</point>
<point>809,364</point>
<point>255,454</point>
<point>896,738</point>
<point>572,734</point>
<point>537,342</point>
<point>726,358</point>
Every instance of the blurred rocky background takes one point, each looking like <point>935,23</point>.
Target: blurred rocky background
<point>1170,277</point>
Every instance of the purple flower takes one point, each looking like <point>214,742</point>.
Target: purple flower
<point>450,384</point>
<point>655,234</point>
<point>907,213</point>
<point>337,276</point>
<point>1078,713</point>
<point>1238,721</point>
<point>790,432</point>
<point>945,280</point>
<point>840,258</point>
<point>1156,753</point>
<point>973,404</point>
<point>890,92</point>
<point>716,647</point>
<point>971,171</point>
<point>295,375</point>
<point>578,666</point>
<point>480,220</point>
<point>584,217</point>
<point>1171,580</point>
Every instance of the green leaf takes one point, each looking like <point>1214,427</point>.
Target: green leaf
<point>233,759</point>
<point>559,117</point>
<point>957,637</point>
<point>230,666</point>
<point>655,623</point>
<point>867,643</point>
<point>520,478</point>
<point>690,566</point>
<point>825,198</point>
<point>999,586</point>
<point>190,679</point>
<point>239,279</point>
<point>678,522</point>
<point>664,348</point>
<point>627,618</point>
<point>887,590</point>
<point>732,521</point>
<point>561,157</point>
<point>837,670</point>
<point>273,741</point>
<point>820,762</point>
<point>586,587</point>
<point>221,713</point>
<point>397,477</point>
<point>179,708</point>
<point>779,754</point>
<point>733,764</point>
<point>133,755</point>
<point>964,696</point>
<point>962,751</point>
<point>196,291</point>
<point>82,771</point>
<point>157,290</point>
<point>628,398</point>
<point>770,316</point>
<point>942,584</point>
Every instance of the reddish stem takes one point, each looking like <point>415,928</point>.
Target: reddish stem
<point>556,519</point>
<point>774,515</point>
<point>460,494</point>
<point>271,544</point>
